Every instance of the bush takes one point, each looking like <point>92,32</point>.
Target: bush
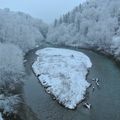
<point>11,59</point>
<point>11,73</point>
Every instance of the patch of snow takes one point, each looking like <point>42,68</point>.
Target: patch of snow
<point>1,117</point>
<point>37,46</point>
<point>63,73</point>
<point>7,104</point>
<point>25,61</point>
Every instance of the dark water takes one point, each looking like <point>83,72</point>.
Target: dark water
<point>105,100</point>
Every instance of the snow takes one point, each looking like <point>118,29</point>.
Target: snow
<point>63,73</point>
<point>21,29</point>
<point>7,104</point>
<point>1,117</point>
<point>87,27</point>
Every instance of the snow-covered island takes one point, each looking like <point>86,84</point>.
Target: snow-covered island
<point>63,73</point>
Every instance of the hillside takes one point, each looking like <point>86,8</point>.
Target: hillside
<point>21,29</point>
<point>19,33</point>
<point>94,25</point>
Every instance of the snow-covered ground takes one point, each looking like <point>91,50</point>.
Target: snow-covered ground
<point>63,73</point>
<point>7,104</point>
<point>1,117</point>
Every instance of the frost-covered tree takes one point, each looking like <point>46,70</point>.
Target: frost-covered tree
<point>93,24</point>
<point>11,59</point>
<point>19,33</point>
<point>21,29</point>
<point>11,73</point>
<point>116,46</point>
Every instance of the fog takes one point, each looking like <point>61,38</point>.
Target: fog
<point>46,10</point>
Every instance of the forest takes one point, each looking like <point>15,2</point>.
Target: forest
<point>93,25</point>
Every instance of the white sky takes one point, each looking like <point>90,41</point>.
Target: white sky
<point>47,10</point>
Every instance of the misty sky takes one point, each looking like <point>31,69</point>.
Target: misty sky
<point>47,10</point>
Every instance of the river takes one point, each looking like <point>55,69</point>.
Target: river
<point>105,100</point>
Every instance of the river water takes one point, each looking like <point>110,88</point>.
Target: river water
<point>105,100</point>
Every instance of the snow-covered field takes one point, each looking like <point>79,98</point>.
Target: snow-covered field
<point>63,73</point>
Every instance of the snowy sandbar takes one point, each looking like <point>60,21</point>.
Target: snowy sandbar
<point>63,73</point>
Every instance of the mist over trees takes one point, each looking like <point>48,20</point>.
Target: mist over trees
<point>19,33</point>
<point>94,24</point>
<point>11,59</point>
<point>21,29</point>
<point>11,72</point>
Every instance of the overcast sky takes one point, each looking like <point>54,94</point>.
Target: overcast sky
<point>47,10</point>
